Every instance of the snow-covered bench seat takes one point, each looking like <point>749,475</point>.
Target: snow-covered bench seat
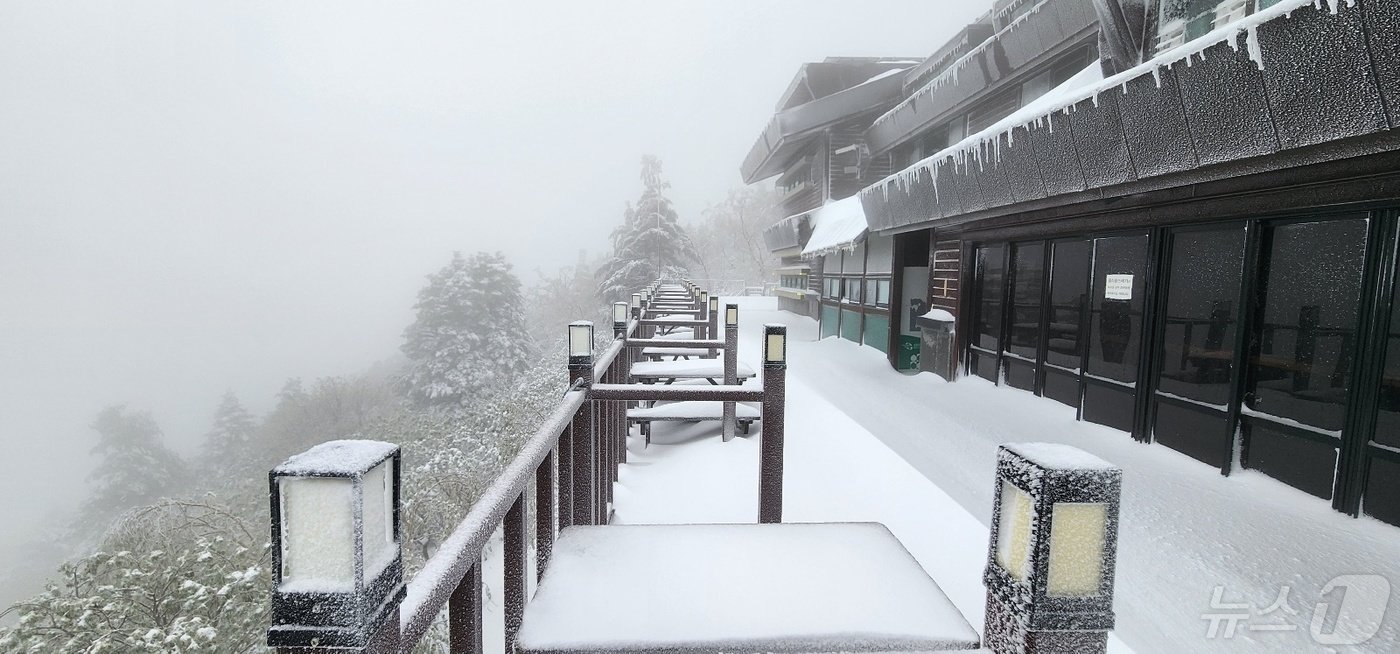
<point>702,589</point>
<point>676,353</point>
<point>669,371</point>
<point>744,414</point>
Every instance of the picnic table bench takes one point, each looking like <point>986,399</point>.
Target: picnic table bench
<point>706,589</point>
<point>693,411</point>
<point>677,353</point>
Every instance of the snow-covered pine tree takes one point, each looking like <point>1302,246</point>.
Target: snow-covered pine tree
<point>232,433</point>
<point>649,244</point>
<point>470,336</point>
<point>136,468</point>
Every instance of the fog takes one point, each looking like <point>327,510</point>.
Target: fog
<point>207,196</point>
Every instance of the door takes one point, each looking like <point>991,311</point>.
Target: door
<point>988,288</point>
<point>1022,352</point>
<point>1303,347</point>
<point>1066,317</point>
<point>1195,362</point>
<point>913,287</point>
<point>1113,351</point>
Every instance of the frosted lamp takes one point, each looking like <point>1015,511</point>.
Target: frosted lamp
<point>704,297</point>
<point>731,315</point>
<point>714,305</point>
<point>1054,548</point>
<point>1076,549</point>
<point>1014,531</point>
<point>337,559</point>
<point>774,344</point>
<point>636,300</point>
<point>580,340</point>
<point>619,313</point>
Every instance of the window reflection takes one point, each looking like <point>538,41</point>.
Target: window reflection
<point>1028,261</point>
<point>1069,291</point>
<point>1307,326</point>
<point>1199,334</point>
<point>987,331</point>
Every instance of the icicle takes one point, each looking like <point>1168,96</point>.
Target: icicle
<point>1256,52</point>
<point>1157,76</point>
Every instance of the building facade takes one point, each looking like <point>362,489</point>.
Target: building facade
<point>1184,227</point>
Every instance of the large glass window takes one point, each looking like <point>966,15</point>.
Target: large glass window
<point>1388,422</point>
<point>1198,339</point>
<point>1115,319</point>
<point>1069,292</point>
<point>853,290</point>
<point>990,271</point>
<point>1027,283</point>
<point>1307,325</point>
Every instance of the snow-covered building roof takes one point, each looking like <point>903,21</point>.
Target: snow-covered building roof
<point>876,84</point>
<point>1298,73</point>
<point>1049,26</point>
<point>836,226</point>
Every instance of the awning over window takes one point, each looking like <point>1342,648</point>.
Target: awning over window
<point>839,225</point>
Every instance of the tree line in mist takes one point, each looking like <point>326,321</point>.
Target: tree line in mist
<point>172,554</point>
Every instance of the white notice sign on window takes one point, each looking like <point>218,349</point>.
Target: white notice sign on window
<point>1118,287</point>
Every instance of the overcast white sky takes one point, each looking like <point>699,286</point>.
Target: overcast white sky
<point>200,196</point>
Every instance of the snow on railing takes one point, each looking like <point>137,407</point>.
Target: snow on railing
<point>568,467</point>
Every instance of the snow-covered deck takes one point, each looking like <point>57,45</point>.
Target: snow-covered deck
<point>847,587</point>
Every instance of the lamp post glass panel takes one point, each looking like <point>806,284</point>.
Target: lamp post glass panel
<point>775,344</point>
<point>619,313</point>
<point>336,531</point>
<point>1054,548</point>
<point>580,341</point>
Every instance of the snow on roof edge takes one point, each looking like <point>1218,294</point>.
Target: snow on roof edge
<point>838,225</point>
<point>976,144</point>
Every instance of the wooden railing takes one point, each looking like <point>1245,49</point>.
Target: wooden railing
<point>568,466</point>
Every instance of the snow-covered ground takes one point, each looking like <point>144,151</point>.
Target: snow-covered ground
<point>865,442</point>
<point>835,470</point>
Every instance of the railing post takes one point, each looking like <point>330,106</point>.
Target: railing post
<point>1053,551</point>
<point>335,513</point>
<point>620,367</point>
<point>565,453</point>
<point>545,487</point>
<point>464,614</point>
<point>713,327</point>
<point>583,475</point>
<point>516,585</point>
<point>731,365</point>
<point>770,472</point>
<point>703,331</point>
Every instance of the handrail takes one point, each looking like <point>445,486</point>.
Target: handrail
<point>570,464</point>
<point>430,589</point>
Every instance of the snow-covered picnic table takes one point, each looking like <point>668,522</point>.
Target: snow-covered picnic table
<point>711,369</point>
<point>797,587</point>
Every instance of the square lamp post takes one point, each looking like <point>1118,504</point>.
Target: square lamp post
<point>636,305</point>
<point>581,343</point>
<point>336,556</point>
<point>619,319</point>
<point>1053,551</point>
